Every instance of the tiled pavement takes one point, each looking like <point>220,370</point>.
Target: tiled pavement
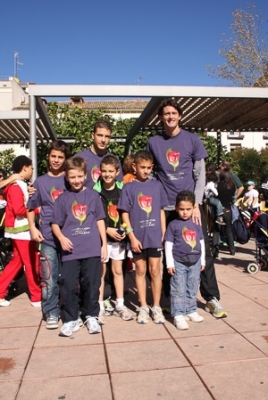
<point>217,359</point>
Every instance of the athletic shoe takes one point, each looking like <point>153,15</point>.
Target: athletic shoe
<point>92,325</point>
<point>180,323</point>
<point>213,306</point>
<point>109,309</point>
<point>80,321</point>
<point>68,328</point>
<point>194,317</point>
<point>36,303</point>
<point>143,315</point>
<point>101,317</point>
<point>157,315</point>
<point>220,221</point>
<point>52,322</point>
<point>4,303</point>
<point>123,313</point>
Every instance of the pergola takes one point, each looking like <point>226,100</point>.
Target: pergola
<point>206,108</point>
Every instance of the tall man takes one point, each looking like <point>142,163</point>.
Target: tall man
<point>101,136</point>
<point>179,158</point>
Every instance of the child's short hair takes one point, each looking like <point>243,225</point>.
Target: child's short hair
<point>59,145</point>
<point>110,159</point>
<point>185,195</point>
<point>143,155</point>
<point>212,177</point>
<point>76,162</point>
<point>20,162</point>
<point>102,123</point>
<point>127,164</point>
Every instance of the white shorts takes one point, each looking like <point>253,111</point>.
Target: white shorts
<point>116,251</point>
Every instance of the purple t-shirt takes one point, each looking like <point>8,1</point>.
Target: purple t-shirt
<point>185,236</point>
<point>174,157</point>
<point>93,167</point>
<point>77,215</point>
<point>49,188</point>
<point>144,201</point>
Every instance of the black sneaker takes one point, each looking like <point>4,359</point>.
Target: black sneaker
<point>220,221</point>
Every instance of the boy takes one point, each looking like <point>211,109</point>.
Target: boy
<point>185,257</point>
<point>142,202</point>
<point>48,188</point>
<point>17,228</point>
<point>78,223</point>
<point>110,189</point>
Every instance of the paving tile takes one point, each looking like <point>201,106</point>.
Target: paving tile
<point>93,387</point>
<point>254,319</point>
<point>141,356</point>
<point>210,349</point>
<point>238,380</point>
<point>8,389</point>
<point>117,330</point>
<point>17,338</point>
<point>178,383</point>
<point>51,338</point>
<point>12,364</point>
<point>258,339</point>
<point>19,317</point>
<point>47,363</point>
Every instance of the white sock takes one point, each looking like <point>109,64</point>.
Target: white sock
<point>101,303</point>
<point>120,303</point>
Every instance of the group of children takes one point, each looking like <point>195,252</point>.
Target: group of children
<point>79,232</point>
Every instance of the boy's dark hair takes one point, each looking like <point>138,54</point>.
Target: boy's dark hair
<point>76,162</point>
<point>185,195</point>
<point>169,102</point>
<point>211,167</point>
<point>3,172</point>
<point>102,123</point>
<point>59,145</point>
<point>212,177</point>
<point>20,162</point>
<point>110,159</point>
<point>143,155</point>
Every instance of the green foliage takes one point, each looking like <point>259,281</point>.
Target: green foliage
<point>250,164</point>
<point>245,53</point>
<point>210,144</point>
<point>6,159</point>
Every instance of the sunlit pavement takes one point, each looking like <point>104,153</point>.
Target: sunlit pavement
<point>217,359</point>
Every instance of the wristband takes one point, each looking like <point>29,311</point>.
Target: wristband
<point>128,230</point>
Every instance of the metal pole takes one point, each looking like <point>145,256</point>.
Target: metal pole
<point>33,148</point>
<point>218,147</point>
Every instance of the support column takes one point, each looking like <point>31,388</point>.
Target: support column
<point>33,147</point>
<point>218,147</point>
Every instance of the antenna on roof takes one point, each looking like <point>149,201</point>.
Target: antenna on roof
<point>138,80</point>
<point>16,64</point>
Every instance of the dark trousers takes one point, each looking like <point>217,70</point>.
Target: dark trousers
<point>89,269</point>
<point>208,283</point>
<point>227,216</point>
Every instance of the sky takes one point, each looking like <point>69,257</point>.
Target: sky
<point>116,42</point>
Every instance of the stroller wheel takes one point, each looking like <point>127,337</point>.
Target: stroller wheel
<point>252,268</point>
<point>262,264</point>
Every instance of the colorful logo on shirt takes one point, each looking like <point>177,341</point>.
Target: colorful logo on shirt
<point>113,213</point>
<point>95,173</point>
<point>79,211</point>
<point>145,203</point>
<point>189,236</point>
<point>55,193</point>
<point>173,158</point>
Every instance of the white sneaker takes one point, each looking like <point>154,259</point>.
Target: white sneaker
<point>4,303</point>
<point>194,317</point>
<point>180,323</point>
<point>36,303</point>
<point>92,325</point>
<point>101,317</point>
<point>68,328</point>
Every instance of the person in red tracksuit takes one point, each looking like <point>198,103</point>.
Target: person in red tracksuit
<point>17,228</point>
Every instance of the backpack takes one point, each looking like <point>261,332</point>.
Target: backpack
<point>241,232</point>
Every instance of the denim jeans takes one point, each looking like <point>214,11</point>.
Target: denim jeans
<point>183,288</point>
<point>49,274</point>
<point>216,203</point>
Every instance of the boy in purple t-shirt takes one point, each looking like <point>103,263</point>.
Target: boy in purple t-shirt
<point>78,223</point>
<point>185,258</point>
<point>142,202</point>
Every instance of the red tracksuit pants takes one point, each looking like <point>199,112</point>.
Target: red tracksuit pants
<point>24,253</point>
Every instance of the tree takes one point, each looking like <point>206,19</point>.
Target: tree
<point>6,159</point>
<point>245,54</point>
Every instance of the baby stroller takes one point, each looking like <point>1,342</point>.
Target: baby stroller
<point>261,241</point>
